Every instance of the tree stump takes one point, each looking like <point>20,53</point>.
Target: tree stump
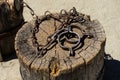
<point>11,20</point>
<point>57,64</point>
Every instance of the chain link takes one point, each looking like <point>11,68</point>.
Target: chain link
<point>64,30</point>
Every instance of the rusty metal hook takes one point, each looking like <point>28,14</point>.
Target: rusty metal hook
<point>73,48</point>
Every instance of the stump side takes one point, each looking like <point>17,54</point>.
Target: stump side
<point>91,71</point>
<point>57,64</point>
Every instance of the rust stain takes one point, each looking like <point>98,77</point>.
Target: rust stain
<point>54,67</point>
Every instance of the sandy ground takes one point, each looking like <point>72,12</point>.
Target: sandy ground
<point>106,11</point>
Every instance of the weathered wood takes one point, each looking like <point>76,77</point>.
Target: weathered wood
<point>10,22</point>
<point>87,64</point>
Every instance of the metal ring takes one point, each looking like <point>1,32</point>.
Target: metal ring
<point>47,13</point>
<point>62,34</point>
<point>63,13</point>
<point>73,10</point>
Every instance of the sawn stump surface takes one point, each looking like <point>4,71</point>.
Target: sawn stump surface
<point>56,64</point>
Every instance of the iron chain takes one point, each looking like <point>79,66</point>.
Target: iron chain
<point>64,32</point>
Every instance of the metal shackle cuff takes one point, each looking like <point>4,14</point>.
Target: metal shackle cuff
<point>76,42</point>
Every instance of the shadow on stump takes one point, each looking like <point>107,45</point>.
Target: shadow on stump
<point>112,68</point>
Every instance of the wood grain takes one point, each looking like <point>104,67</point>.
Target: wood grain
<point>56,64</point>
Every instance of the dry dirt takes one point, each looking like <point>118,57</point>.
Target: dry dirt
<point>106,11</point>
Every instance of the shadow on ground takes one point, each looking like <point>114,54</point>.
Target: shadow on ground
<point>9,57</point>
<point>112,68</point>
